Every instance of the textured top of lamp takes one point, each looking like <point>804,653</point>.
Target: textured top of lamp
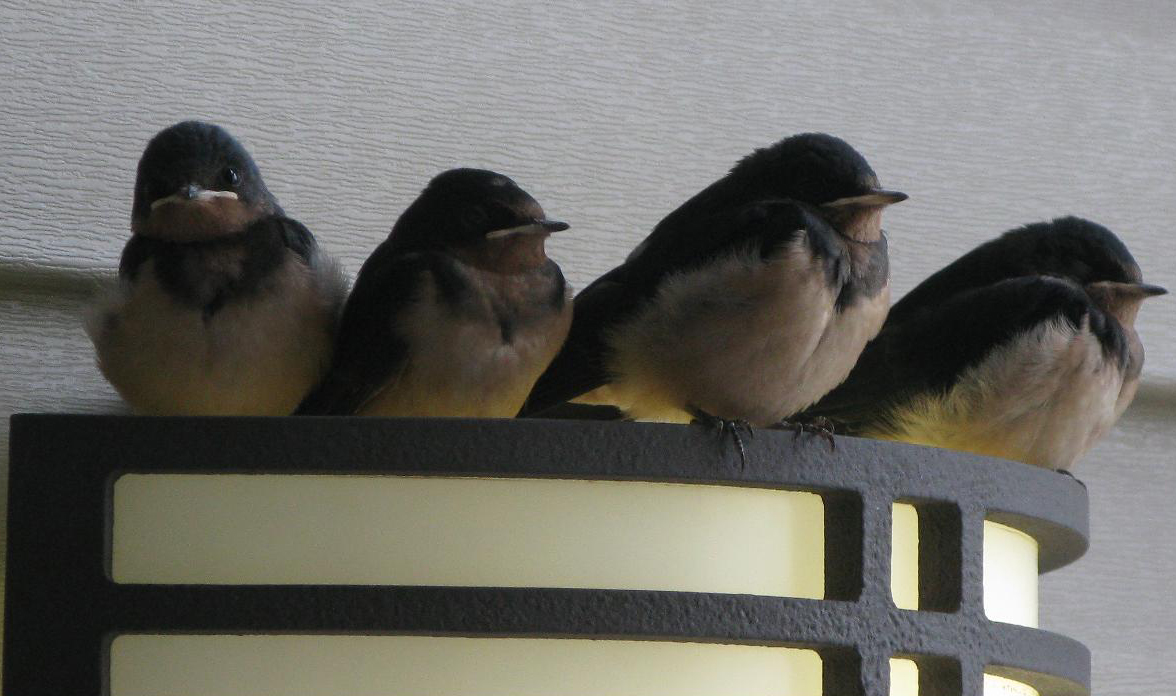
<point>225,306</point>
<point>1024,348</point>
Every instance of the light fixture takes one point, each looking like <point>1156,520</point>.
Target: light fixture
<point>206,556</point>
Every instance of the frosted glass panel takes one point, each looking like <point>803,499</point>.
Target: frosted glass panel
<point>904,677</point>
<point>1010,575</point>
<point>1000,686</point>
<point>904,681</point>
<point>288,529</point>
<point>156,665</point>
<point>904,557</point>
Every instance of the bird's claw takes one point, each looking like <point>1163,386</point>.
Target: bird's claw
<point>818,425</point>
<point>723,426</point>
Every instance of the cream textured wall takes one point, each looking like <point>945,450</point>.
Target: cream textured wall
<point>612,114</point>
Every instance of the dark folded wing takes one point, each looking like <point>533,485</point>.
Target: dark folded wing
<point>692,242</point>
<point>926,352</point>
<point>580,366</point>
<point>136,252</point>
<point>369,351</point>
<point>295,236</point>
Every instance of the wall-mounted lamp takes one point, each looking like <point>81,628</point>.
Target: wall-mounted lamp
<point>207,557</point>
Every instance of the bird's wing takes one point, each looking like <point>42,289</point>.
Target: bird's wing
<point>582,363</point>
<point>369,350</point>
<point>137,251</point>
<point>692,242</point>
<point>294,235</point>
<point>932,346</point>
<point>580,366</point>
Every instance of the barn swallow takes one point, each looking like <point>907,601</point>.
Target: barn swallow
<point>745,304</point>
<point>1024,348</point>
<point>225,306</point>
<point>456,313</point>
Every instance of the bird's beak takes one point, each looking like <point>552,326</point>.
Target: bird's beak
<point>536,227</point>
<point>1148,290</point>
<point>876,198</point>
<point>192,192</point>
<point>1127,290</point>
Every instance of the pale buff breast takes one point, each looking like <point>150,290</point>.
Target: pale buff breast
<point>743,338</point>
<point>1043,398</point>
<point>460,364</point>
<point>258,355</point>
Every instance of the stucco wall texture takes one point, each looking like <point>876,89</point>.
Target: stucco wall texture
<point>989,115</point>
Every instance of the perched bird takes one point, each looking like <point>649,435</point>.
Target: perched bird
<point>456,313</point>
<point>1024,348</point>
<point>744,305</point>
<point>224,306</point>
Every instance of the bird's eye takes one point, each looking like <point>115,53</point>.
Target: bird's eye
<point>230,177</point>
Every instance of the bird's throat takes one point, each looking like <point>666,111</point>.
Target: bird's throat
<point>509,255</point>
<point>196,220</point>
<point>862,224</point>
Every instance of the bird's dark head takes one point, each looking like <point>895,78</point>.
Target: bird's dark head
<point>1078,250</point>
<point>823,171</point>
<point>1084,252</point>
<point>481,216</point>
<point>1068,247</point>
<point>196,182</point>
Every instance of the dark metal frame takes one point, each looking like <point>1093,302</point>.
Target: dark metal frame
<point>63,609</point>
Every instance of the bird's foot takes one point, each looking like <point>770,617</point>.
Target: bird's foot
<point>724,427</point>
<point>817,425</point>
